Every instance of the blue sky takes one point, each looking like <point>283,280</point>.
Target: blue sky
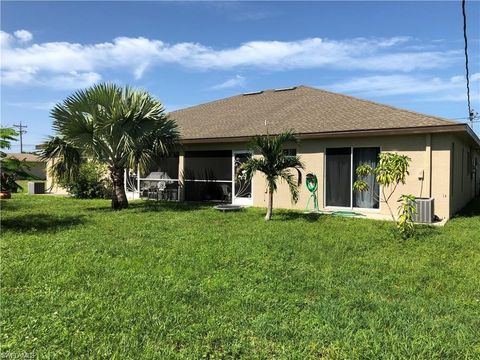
<point>406,54</point>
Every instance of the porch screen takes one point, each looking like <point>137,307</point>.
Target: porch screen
<point>208,175</point>
<point>160,179</point>
<point>163,167</point>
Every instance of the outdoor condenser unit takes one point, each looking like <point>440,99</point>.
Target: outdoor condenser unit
<point>36,187</point>
<point>425,210</point>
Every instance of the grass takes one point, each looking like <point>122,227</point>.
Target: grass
<point>185,281</point>
<point>24,185</point>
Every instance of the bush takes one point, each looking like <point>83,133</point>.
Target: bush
<point>92,182</point>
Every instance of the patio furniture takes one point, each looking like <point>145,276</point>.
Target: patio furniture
<point>226,193</point>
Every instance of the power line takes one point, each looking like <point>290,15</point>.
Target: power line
<point>21,132</point>
<point>470,111</point>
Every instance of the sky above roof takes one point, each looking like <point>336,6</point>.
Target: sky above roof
<point>406,54</point>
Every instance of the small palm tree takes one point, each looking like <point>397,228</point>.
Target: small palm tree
<point>275,164</point>
<point>120,127</point>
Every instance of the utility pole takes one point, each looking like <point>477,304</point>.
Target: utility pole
<point>20,128</point>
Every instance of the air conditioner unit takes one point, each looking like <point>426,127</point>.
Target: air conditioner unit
<point>36,187</point>
<point>425,211</point>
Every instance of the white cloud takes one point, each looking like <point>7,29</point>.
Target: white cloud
<point>428,88</point>
<point>70,80</point>
<point>37,63</point>
<point>17,76</point>
<point>23,35</point>
<point>236,81</point>
<point>5,39</point>
<point>33,105</point>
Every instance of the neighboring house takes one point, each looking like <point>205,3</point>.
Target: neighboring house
<point>337,133</point>
<point>36,166</point>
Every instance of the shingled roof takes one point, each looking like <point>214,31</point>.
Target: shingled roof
<point>28,157</point>
<point>304,109</point>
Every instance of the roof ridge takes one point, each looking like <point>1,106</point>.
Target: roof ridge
<point>260,92</point>
<point>381,104</point>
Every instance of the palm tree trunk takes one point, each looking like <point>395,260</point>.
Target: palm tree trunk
<point>270,204</point>
<point>119,198</point>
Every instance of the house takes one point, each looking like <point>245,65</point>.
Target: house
<point>36,166</point>
<point>337,133</point>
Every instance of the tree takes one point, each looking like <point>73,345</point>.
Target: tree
<point>10,168</point>
<point>120,127</point>
<point>275,164</point>
<point>392,170</point>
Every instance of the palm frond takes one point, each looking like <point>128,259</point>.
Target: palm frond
<point>121,126</point>
<point>7,135</point>
<point>65,159</point>
<point>253,165</point>
<point>292,183</point>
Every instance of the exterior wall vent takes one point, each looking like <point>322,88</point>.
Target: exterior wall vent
<point>285,89</point>
<point>253,93</point>
<point>425,210</point>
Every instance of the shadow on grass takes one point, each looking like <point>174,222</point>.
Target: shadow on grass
<point>472,209</point>
<point>296,215</point>
<point>152,205</point>
<point>422,232</point>
<point>8,205</point>
<point>155,206</point>
<point>40,222</point>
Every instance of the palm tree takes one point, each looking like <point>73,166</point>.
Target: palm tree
<point>275,164</point>
<point>118,126</point>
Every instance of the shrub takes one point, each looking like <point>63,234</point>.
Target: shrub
<point>391,171</point>
<point>406,211</point>
<point>91,182</point>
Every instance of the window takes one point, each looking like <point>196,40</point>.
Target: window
<point>340,174</point>
<point>290,152</point>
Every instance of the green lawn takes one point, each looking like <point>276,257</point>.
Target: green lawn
<point>24,185</point>
<point>184,281</point>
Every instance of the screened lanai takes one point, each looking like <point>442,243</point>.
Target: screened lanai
<point>160,181</point>
<point>205,176</point>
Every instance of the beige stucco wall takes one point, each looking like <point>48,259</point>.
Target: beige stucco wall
<point>415,146</point>
<point>464,181</point>
<point>50,186</point>
<point>430,154</point>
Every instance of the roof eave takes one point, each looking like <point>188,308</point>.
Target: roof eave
<point>351,133</point>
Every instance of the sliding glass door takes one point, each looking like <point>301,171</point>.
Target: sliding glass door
<point>366,199</point>
<point>340,175</point>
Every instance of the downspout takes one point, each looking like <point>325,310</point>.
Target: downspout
<point>428,150</point>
